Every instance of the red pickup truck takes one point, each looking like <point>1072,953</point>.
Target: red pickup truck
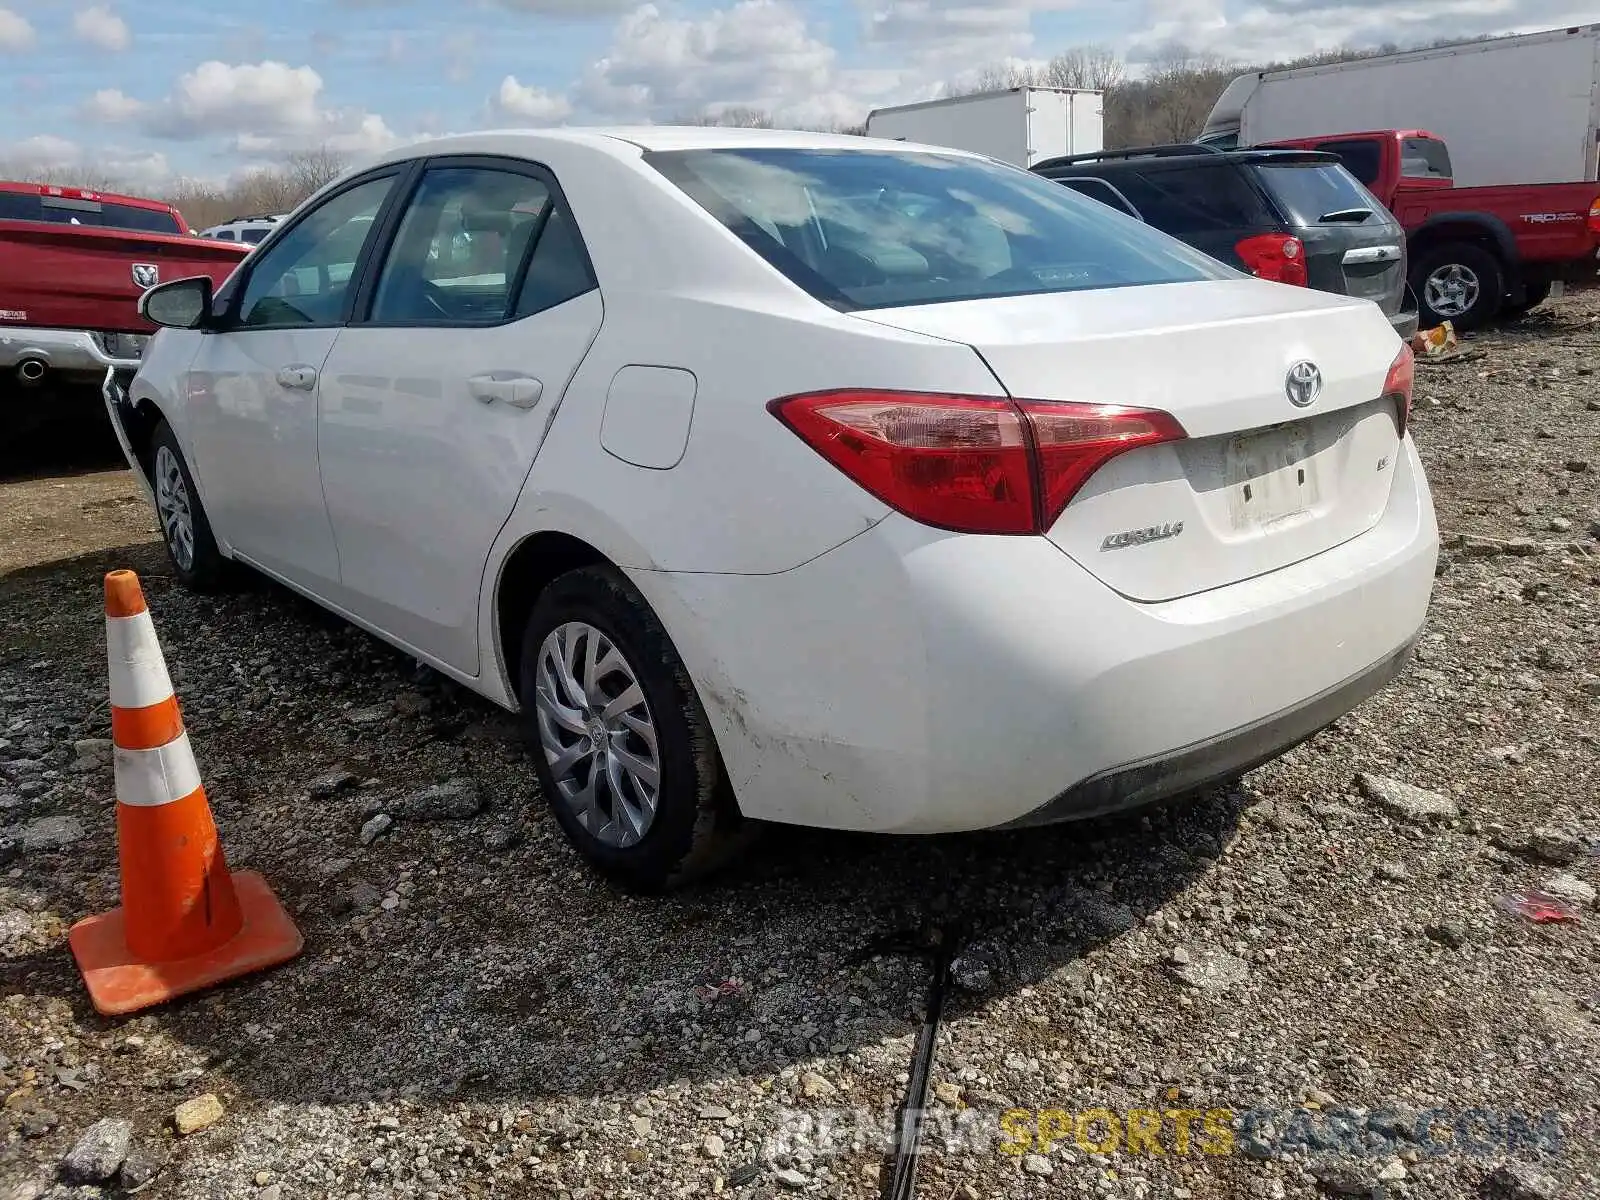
<point>1475,253</point>
<point>73,264</point>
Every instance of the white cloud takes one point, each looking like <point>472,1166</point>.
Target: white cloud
<point>938,34</point>
<point>250,98</point>
<point>1267,30</point>
<point>15,31</point>
<point>262,109</point>
<point>44,150</point>
<point>519,101</point>
<point>755,53</point>
<point>142,173</point>
<point>101,27</point>
<point>112,107</point>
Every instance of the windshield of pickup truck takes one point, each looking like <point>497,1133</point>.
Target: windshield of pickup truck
<point>103,214</point>
<point>1321,194</point>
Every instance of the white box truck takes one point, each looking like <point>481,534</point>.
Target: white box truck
<point>1021,125</point>
<point>1520,109</point>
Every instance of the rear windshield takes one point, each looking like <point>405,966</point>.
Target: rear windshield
<point>1320,194</point>
<point>66,210</point>
<point>1424,158</point>
<point>874,229</point>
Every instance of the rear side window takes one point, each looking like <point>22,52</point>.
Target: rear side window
<point>69,210</point>
<point>1362,158</point>
<point>1319,194</point>
<point>1424,158</point>
<point>1195,199</point>
<point>1099,189</point>
<point>254,236</point>
<point>874,229</point>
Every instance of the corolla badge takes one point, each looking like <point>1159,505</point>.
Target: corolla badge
<point>146,275</point>
<point>1304,384</point>
<point>1142,537</point>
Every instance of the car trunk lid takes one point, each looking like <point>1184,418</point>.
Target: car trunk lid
<point>1259,483</point>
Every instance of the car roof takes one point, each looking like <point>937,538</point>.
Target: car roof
<point>617,138</point>
<point>1140,157</point>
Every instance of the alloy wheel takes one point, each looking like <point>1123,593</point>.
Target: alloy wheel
<point>172,505</point>
<point>1453,290</point>
<point>597,734</point>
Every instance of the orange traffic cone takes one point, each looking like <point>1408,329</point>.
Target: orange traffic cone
<point>185,922</point>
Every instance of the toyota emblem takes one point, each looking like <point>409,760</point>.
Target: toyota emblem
<point>1304,384</point>
<point>146,275</point>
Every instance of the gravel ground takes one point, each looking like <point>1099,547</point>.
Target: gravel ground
<point>476,1015</point>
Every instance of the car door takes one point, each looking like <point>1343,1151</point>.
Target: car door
<point>436,399</point>
<point>251,391</point>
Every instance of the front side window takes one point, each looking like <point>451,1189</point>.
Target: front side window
<point>863,229</point>
<point>304,279</point>
<point>476,246</point>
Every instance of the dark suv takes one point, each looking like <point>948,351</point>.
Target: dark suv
<point>1292,216</point>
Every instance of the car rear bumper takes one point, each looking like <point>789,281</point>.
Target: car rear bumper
<point>68,351</point>
<point>1406,323</point>
<point>912,681</point>
<point>1217,759</point>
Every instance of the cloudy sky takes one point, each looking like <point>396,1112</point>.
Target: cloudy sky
<point>149,88</point>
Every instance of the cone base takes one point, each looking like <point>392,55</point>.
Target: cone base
<point>119,983</point>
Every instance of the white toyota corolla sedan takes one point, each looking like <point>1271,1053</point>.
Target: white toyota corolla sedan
<point>797,478</point>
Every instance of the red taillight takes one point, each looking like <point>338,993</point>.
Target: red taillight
<point>1400,384</point>
<point>970,463</point>
<point>1594,217</point>
<point>1275,256</point>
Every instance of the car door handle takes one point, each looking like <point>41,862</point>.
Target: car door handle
<point>519,391</point>
<point>300,378</point>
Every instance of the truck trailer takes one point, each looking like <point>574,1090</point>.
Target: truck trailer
<point>1522,109</point>
<point>1021,125</point>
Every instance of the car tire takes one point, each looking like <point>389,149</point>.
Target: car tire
<point>1460,283</point>
<point>1533,295</point>
<point>590,643</point>
<point>185,528</point>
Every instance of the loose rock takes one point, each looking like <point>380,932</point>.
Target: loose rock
<point>375,828</point>
<point>194,1115</point>
<point>51,833</point>
<point>1406,802</point>
<point>1518,1181</point>
<point>99,1152</point>
<point>1571,889</point>
<point>1211,970</point>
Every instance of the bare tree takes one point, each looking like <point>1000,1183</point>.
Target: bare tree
<point>1092,68</point>
<point>309,170</point>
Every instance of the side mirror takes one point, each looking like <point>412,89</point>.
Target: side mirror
<point>181,304</point>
